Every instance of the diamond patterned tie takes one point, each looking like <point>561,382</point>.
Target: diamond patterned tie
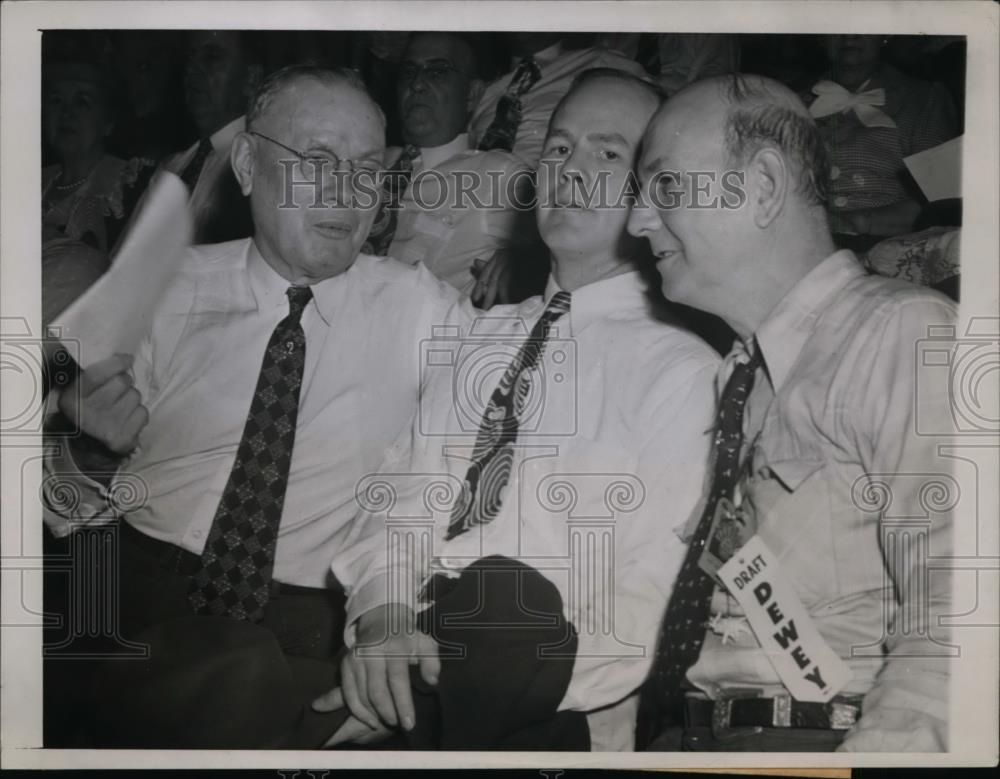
<point>503,129</point>
<point>238,559</point>
<point>493,454</point>
<point>682,631</point>
<point>394,185</point>
<point>192,170</point>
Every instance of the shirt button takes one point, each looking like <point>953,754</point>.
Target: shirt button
<point>198,534</point>
<point>840,201</point>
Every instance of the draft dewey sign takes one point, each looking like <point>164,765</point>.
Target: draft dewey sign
<point>808,667</point>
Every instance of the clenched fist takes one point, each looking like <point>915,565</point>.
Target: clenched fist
<point>105,405</point>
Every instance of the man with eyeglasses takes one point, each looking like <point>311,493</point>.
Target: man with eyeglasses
<point>277,371</point>
<point>465,214</point>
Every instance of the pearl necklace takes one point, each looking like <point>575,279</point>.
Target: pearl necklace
<point>72,184</point>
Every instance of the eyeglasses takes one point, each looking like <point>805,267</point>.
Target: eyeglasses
<point>322,159</point>
<point>435,71</point>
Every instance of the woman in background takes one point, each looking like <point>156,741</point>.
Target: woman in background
<point>88,194</point>
<point>872,116</point>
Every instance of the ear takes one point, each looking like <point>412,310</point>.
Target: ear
<point>241,158</point>
<point>771,179</point>
<point>476,88</point>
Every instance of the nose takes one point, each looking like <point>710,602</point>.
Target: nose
<point>573,180</point>
<point>643,221</point>
<point>420,82</point>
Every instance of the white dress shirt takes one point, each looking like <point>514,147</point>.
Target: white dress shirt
<point>838,477</point>
<point>198,370</point>
<point>447,229</point>
<point>558,69</point>
<point>611,454</point>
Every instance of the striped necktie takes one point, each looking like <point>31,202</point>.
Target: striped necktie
<point>394,185</point>
<point>493,454</point>
<point>503,129</point>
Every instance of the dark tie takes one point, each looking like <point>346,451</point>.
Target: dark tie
<point>192,170</point>
<point>682,631</point>
<point>494,451</point>
<point>394,185</point>
<point>238,559</point>
<point>503,129</point>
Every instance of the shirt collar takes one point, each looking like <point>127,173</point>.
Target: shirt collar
<point>222,139</point>
<point>431,158</point>
<point>545,56</point>
<point>783,333</point>
<point>624,292</point>
<point>269,289</point>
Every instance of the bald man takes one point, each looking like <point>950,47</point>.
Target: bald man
<point>817,600</point>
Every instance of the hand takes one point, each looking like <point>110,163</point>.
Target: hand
<point>103,404</point>
<point>493,277</point>
<point>353,730</point>
<point>375,675</point>
<point>888,729</point>
<point>842,222</point>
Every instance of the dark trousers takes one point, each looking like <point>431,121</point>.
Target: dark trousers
<point>701,739</point>
<point>149,582</point>
<point>507,655</point>
<point>155,576</point>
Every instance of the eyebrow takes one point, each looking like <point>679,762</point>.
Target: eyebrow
<point>560,133</point>
<point>325,147</point>
<point>608,138</point>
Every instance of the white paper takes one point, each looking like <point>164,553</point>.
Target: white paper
<point>938,170</point>
<point>115,313</point>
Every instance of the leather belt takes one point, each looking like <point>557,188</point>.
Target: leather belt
<point>736,711</point>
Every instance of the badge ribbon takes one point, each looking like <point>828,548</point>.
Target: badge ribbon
<point>808,667</point>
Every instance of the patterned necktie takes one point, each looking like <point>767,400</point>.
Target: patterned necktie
<point>238,559</point>
<point>494,451</point>
<point>683,629</point>
<point>503,129</point>
<point>192,170</point>
<point>394,185</point>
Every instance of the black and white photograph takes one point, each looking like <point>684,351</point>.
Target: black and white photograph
<point>500,381</point>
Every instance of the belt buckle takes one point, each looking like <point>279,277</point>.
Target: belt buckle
<point>843,714</point>
<point>722,711</point>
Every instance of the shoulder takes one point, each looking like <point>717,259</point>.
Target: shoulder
<point>495,159</point>
<point>875,325</point>
<point>873,298</point>
<point>204,268</point>
<point>606,58</point>
<point>667,346</point>
<point>211,257</point>
<point>398,281</point>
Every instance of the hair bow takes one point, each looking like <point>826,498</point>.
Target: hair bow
<point>832,98</point>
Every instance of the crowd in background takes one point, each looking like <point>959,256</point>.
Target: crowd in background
<point>117,104</point>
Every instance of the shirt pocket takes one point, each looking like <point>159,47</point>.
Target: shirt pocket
<point>791,497</point>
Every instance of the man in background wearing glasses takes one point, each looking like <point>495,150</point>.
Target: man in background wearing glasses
<point>277,371</point>
<point>466,214</point>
